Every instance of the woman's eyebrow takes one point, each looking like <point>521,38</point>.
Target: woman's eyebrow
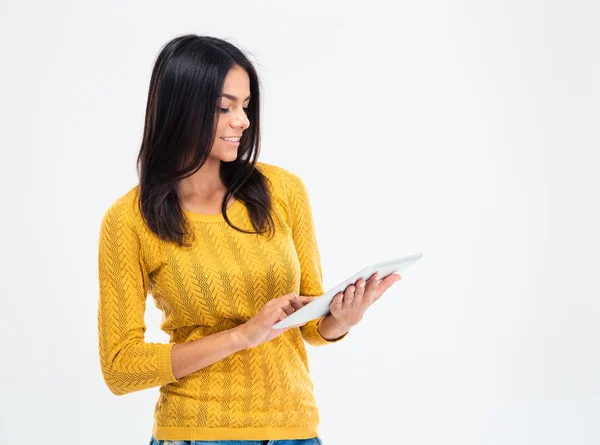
<point>229,96</point>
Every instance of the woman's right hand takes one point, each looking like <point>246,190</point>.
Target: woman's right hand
<point>258,330</point>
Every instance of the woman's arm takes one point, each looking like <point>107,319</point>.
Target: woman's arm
<point>325,330</point>
<point>192,356</point>
<point>127,362</point>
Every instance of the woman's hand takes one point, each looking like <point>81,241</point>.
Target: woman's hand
<point>258,329</point>
<point>349,307</point>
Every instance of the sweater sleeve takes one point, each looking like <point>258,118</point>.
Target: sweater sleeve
<point>128,364</point>
<point>305,241</point>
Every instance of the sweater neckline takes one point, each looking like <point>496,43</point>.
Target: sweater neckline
<point>233,210</point>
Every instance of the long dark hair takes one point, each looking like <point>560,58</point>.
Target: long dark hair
<point>180,126</point>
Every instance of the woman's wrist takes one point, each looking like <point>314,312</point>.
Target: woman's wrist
<point>330,329</point>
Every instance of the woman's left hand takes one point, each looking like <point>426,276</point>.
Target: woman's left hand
<point>349,307</point>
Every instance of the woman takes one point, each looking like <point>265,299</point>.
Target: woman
<point>226,246</point>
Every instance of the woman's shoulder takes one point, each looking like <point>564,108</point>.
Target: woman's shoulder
<point>283,177</point>
<point>267,169</point>
<point>124,207</point>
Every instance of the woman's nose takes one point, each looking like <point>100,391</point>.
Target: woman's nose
<point>241,120</point>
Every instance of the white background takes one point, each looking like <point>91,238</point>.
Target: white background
<point>466,130</point>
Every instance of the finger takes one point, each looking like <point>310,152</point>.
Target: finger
<point>387,282</point>
<point>348,297</point>
<point>295,301</point>
<point>396,277</point>
<point>360,296</point>
<point>372,283</point>
<point>375,277</point>
<point>306,300</point>
<point>282,316</point>
<point>297,304</point>
<point>370,291</point>
<point>277,315</point>
<point>338,299</point>
<point>288,309</point>
<point>292,296</point>
<point>360,289</point>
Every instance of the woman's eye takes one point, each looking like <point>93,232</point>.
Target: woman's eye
<point>226,110</point>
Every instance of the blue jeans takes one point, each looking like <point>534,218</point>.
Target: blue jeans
<point>313,441</point>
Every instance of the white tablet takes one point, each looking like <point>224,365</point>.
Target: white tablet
<point>320,306</point>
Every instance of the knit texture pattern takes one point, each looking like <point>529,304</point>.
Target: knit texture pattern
<point>220,282</point>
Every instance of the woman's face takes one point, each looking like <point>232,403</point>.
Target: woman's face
<point>232,114</point>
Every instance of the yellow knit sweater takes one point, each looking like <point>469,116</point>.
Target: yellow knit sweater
<point>223,280</point>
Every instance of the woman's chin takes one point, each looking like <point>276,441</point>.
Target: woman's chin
<point>229,156</point>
